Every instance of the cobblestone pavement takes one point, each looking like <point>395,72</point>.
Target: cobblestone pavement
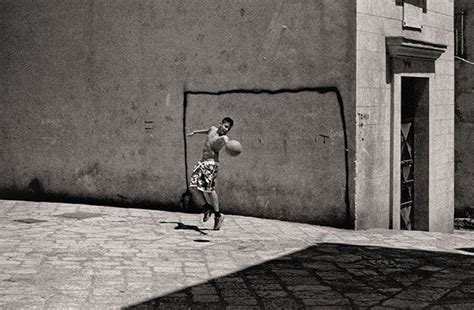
<point>71,256</point>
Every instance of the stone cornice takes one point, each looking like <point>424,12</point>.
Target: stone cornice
<point>404,47</point>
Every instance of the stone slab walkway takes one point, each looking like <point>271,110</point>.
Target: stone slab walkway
<point>71,256</point>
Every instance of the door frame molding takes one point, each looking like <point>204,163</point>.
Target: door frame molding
<point>408,58</point>
<point>395,154</point>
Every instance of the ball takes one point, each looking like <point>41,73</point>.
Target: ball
<point>233,147</point>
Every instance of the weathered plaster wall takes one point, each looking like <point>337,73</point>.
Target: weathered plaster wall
<point>377,19</point>
<point>464,146</point>
<point>92,91</point>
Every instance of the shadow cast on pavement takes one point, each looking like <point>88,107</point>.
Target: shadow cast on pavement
<point>187,227</point>
<point>336,275</point>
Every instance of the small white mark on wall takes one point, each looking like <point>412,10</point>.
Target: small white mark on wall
<point>50,140</point>
<point>52,122</point>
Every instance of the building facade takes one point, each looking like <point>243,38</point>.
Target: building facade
<point>345,108</point>
<point>405,155</point>
<point>464,47</point>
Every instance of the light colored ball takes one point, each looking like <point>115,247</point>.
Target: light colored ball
<point>233,147</point>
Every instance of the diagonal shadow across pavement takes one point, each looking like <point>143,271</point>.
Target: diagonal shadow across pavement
<point>336,275</point>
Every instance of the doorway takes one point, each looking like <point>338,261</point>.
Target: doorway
<point>414,153</point>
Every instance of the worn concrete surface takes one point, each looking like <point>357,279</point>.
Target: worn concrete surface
<point>91,257</point>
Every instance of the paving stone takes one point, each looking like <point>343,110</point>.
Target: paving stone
<point>206,298</point>
<point>271,294</point>
<point>365,298</point>
<point>229,286</point>
<point>334,275</point>
<point>281,303</point>
<point>207,306</point>
<point>454,306</point>
<point>236,292</point>
<point>325,300</point>
<point>292,272</point>
<point>404,304</point>
<point>430,268</point>
<point>441,283</point>
<point>345,284</point>
<point>261,279</point>
<point>300,280</point>
<point>457,296</point>
<point>246,307</point>
<point>265,286</point>
<point>203,289</point>
<point>467,288</point>
<point>309,288</point>
<point>323,266</point>
<point>227,280</point>
<point>244,300</point>
<point>422,294</point>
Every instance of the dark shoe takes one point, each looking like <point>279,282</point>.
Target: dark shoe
<point>218,221</point>
<point>207,215</point>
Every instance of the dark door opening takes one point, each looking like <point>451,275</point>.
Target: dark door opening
<point>414,161</point>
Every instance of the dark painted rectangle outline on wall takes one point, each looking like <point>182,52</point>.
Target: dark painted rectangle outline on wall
<point>256,91</point>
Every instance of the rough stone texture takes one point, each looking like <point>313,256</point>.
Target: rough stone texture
<point>143,259</point>
<point>464,203</point>
<point>377,19</point>
<point>92,91</point>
